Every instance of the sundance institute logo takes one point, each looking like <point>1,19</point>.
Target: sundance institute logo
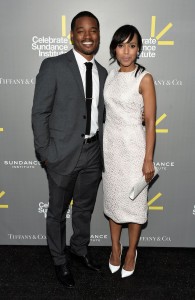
<point>22,164</point>
<point>52,46</point>
<point>98,237</point>
<point>150,44</point>
<point>158,121</point>
<point>2,194</point>
<point>43,208</point>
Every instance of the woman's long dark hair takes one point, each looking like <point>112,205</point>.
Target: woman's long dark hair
<point>122,33</point>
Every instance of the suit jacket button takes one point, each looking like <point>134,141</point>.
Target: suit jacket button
<point>84,117</point>
<point>82,135</point>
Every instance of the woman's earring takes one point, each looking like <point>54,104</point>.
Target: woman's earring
<point>137,55</point>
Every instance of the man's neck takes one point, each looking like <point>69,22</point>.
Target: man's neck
<point>88,57</point>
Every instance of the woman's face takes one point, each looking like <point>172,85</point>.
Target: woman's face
<point>126,54</point>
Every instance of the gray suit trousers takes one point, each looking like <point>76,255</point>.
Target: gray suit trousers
<point>81,186</point>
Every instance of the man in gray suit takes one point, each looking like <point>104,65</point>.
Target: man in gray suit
<point>71,153</point>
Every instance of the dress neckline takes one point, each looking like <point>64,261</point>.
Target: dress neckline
<point>129,72</point>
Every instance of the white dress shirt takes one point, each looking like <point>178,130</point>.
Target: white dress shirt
<point>95,97</point>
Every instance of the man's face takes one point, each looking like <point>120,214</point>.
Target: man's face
<point>86,37</point>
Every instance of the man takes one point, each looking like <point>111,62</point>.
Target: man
<point>68,127</point>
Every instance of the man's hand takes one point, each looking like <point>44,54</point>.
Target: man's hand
<point>43,163</point>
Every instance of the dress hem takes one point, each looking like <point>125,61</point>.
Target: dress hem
<point>133,220</point>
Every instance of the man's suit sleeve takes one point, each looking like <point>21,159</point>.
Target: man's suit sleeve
<point>42,107</point>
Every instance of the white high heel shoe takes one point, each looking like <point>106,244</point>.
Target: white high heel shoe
<point>113,268</point>
<point>125,273</point>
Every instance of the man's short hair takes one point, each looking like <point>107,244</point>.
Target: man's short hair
<point>83,14</point>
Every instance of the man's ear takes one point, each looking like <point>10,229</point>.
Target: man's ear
<point>71,37</point>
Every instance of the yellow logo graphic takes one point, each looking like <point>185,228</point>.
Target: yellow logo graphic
<point>3,205</point>
<point>64,28</point>
<point>161,33</point>
<point>150,44</point>
<point>151,207</point>
<point>158,121</point>
<point>1,129</point>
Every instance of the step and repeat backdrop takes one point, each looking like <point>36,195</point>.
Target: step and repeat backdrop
<point>33,30</point>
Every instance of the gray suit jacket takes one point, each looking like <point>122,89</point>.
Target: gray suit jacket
<point>59,110</point>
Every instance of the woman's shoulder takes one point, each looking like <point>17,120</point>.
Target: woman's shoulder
<point>111,74</point>
<point>144,74</point>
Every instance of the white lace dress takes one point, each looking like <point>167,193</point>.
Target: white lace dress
<point>124,147</point>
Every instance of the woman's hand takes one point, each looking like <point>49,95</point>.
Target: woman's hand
<point>148,170</point>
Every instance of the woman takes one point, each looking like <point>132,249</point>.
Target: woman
<point>128,147</point>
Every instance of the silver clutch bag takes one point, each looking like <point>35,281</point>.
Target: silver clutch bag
<point>140,185</point>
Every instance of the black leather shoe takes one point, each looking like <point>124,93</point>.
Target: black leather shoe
<point>87,262</point>
<point>64,275</point>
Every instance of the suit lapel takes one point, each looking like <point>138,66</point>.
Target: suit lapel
<point>101,81</point>
<point>75,70</point>
<point>77,76</point>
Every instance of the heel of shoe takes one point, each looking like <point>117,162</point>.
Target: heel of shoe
<point>125,273</point>
<point>113,268</point>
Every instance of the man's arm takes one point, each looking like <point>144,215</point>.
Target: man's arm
<point>42,107</point>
